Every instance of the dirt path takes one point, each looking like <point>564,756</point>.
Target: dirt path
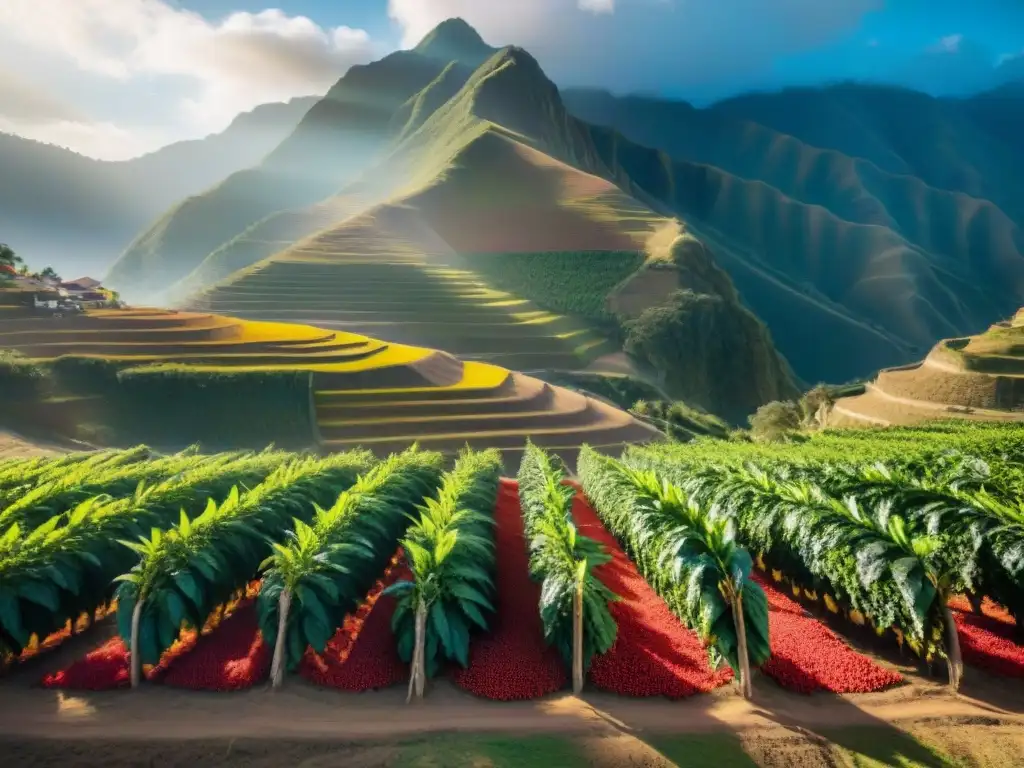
<point>302,711</point>
<point>14,446</point>
<point>310,727</point>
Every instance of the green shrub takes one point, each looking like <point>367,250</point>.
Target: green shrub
<point>679,420</point>
<point>21,379</point>
<point>624,391</point>
<point>776,420</point>
<point>572,282</point>
<point>86,375</point>
<point>221,410</point>
<point>712,352</point>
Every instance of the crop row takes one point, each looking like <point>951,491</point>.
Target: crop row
<point>892,542</point>
<point>292,565</point>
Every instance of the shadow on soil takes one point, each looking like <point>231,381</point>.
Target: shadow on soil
<point>793,733</point>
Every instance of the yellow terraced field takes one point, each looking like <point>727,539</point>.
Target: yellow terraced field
<point>380,275</point>
<point>365,391</point>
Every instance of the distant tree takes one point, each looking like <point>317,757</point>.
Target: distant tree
<point>813,400</point>
<point>775,420</point>
<point>8,257</point>
<point>50,274</point>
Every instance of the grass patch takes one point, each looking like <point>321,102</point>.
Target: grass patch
<point>224,410</point>
<point>473,751</point>
<point>573,282</point>
<point>872,747</point>
<point>21,379</point>
<point>624,391</point>
<point>704,750</point>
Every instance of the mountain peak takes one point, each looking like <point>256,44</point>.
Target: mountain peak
<point>455,40</point>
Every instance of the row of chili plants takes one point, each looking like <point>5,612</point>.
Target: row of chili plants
<point>892,543</point>
<point>574,603</point>
<point>450,556</point>
<point>113,478</point>
<point>691,558</point>
<point>66,567</point>
<point>19,476</point>
<point>185,572</point>
<point>324,570</point>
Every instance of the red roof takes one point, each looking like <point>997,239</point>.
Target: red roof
<point>7,269</point>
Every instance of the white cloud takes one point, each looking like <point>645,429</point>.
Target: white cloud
<point>25,101</point>
<point>104,141</point>
<point>597,6</point>
<point>948,44</point>
<point>633,44</point>
<point>225,67</point>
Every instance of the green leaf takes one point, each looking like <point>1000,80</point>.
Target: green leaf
<point>317,634</point>
<point>295,642</point>
<point>10,617</point>
<point>40,594</point>
<point>310,602</point>
<point>460,639</point>
<point>406,642</point>
<point>189,587</point>
<point>174,607</point>
<point>149,641</point>
<point>470,593</point>
<point>473,613</point>
<point>399,588</point>
<point>439,621</point>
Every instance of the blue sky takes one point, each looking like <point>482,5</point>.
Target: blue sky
<point>114,78</point>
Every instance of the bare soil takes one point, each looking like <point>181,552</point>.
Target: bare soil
<point>304,725</point>
<point>13,446</point>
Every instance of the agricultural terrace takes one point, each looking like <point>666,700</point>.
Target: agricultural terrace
<point>978,377</point>
<point>385,275</point>
<point>573,283</point>
<point>228,383</point>
<point>673,573</point>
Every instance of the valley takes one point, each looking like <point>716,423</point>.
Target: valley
<point>456,417</point>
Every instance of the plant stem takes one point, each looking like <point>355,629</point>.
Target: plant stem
<point>577,639</point>
<point>135,659</point>
<point>277,666</point>
<point>741,646</point>
<point>954,660</point>
<point>417,679</point>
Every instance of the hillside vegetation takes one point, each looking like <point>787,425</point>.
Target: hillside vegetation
<point>79,213</point>
<point>889,217</point>
<point>172,379</point>
<point>504,197</point>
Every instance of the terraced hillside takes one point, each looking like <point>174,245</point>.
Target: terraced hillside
<point>387,275</point>
<point>454,204</point>
<point>976,377</point>
<point>381,395</point>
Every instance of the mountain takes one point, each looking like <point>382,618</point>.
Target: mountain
<point>461,207</point>
<point>851,226</point>
<point>861,223</point>
<point>455,40</point>
<point>78,214</point>
<point>340,137</point>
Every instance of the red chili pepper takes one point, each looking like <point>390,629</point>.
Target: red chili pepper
<point>511,661</point>
<point>807,656</point>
